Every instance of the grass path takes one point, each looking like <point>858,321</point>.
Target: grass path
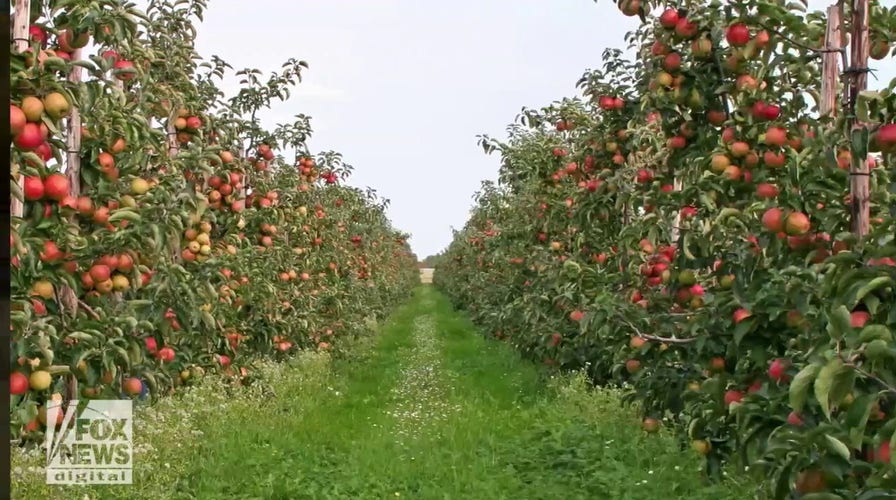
<point>437,412</point>
<point>429,410</point>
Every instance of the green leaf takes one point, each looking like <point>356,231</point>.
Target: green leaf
<point>839,322</point>
<point>871,286</point>
<point>875,332</point>
<point>857,418</point>
<point>893,447</point>
<point>208,319</point>
<point>875,494</point>
<point>834,382</point>
<point>837,446</point>
<point>862,104</point>
<point>821,496</point>
<point>872,303</point>
<point>742,329</point>
<point>799,388</point>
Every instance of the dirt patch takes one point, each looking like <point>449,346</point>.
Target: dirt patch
<point>426,275</point>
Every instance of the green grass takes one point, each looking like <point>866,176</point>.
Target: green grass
<point>427,410</point>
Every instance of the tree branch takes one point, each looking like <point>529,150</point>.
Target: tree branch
<point>839,50</point>
<point>89,310</point>
<point>654,338</point>
<point>873,377</point>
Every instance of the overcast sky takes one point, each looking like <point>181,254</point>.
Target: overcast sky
<point>402,87</point>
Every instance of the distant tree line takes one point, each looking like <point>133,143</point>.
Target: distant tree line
<point>430,261</point>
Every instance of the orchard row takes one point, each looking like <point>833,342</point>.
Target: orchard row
<point>160,232</point>
<point>704,229</point>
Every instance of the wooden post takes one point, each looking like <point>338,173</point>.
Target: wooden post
<point>173,147</point>
<point>173,150</point>
<point>67,297</point>
<point>73,140</point>
<point>22,42</point>
<point>859,180</point>
<point>676,223</point>
<point>830,73</point>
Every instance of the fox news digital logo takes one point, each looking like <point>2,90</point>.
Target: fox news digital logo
<point>93,447</point>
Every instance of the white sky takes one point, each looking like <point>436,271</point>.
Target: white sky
<point>401,88</point>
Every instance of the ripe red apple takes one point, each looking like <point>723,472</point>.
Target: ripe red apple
<point>672,62</point>
<point>30,137</point>
<point>761,40</point>
<point>110,55</point>
<point>773,220</point>
<point>56,186</point>
<point>858,318</point>
<point>686,29</point>
<point>651,425</point>
<point>151,345</point>
<point>879,49</point>
<point>716,117</point>
<point>555,339</point>
<point>771,112</point>
<point>18,383</point>
<point>733,396</point>
<point>166,354</point>
<point>746,82</point>
<point>37,34</point>
<point>777,370</point>
<point>51,252</point>
<point>33,188</point>
<point>701,48</point>
<point>17,119</point>
<point>669,18</point>
<point>741,314</point>
<point>794,419</point>
<point>644,176</point>
<point>737,35</point>
<point>810,480</point>
<point>576,315</point>
<point>132,386</point>
<point>100,273</point>
<point>795,319</point>
<point>883,261</point>
<point>885,137</point>
<point>776,136</point>
<point>45,151</point>
<point>758,110</point>
<point>40,309</point>
<point>882,454</point>
<point>677,142</point>
<point>68,40</point>
<point>659,48</point>
<point>729,136</point>
<point>774,159</point>
<point>797,224</point>
<point>126,68</point>
<point>765,190</point>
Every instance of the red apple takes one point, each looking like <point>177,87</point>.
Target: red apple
<point>737,35</point>
<point>777,370</point>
